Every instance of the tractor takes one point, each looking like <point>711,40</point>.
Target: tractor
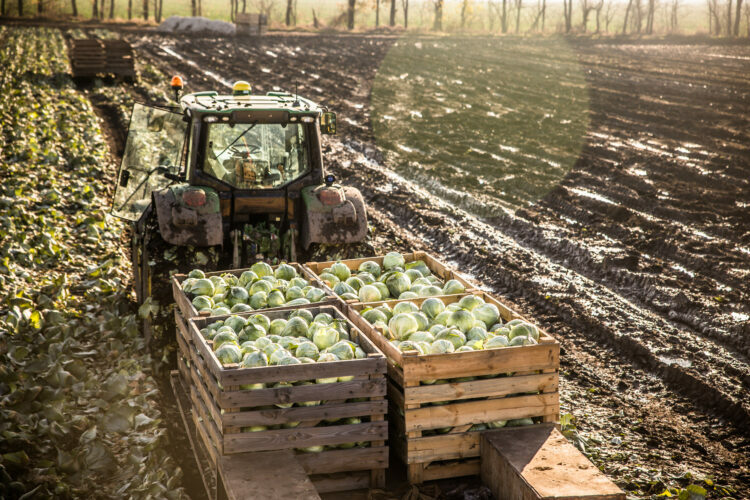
<point>241,175</point>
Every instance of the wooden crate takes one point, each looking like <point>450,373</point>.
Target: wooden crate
<point>507,376</point>
<point>439,269</point>
<point>538,463</point>
<point>188,310</point>
<point>221,408</point>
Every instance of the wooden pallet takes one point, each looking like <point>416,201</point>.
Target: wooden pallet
<point>538,463</point>
<point>514,382</point>
<point>439,269</point>
<point>221,408</point>
<point>188,310</point>
<point>92,56</point>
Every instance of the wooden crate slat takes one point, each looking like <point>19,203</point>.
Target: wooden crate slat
<point>443,447</point>
<point>276,473</point>
<point>476,412</point>
<point>436,471</point>
<point>331,483</point>
<point>208,402</point>
<point>200,425</point>
<point>302,393</point>
<point>331,461</point>
<point>206,421</point>
<point>299,438</point>
<point>302,413</point>
<point>494,387</point>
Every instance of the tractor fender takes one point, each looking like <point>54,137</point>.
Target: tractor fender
<point>333,215</point>
<point>189,215</point>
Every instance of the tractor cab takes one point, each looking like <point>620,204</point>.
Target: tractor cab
<point>215,164</point>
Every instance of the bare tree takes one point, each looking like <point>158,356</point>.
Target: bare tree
<point>94,8</point>
<point>586,7</point>
<point>673,17</point>
<point>714,19</point>
<point>541,6</point>
<point>729,17</point>
<point>111,9</point>
<point>377,13</point>
<point>158,4</point>
<point>437,25</point>
<point>73,6</point>
<point>650,17</point>
<point>352,4</point>
<point>737,16</point>
<point>747,18</point>
<point>145,10</point>
<point>2,7</point>
<point>20,8</point>
<point>518,4</point>
<point>39,6</point>
<point>598,9</point>
<point>568,14</point>
<point>193,8</point>
<point>638,16</point>
<point>464,9</point>
<point>627,15</point>
<point>289,9</point>
<point>392,19</point>
<point>405,8</point>
<point>609,14</point>
<point>504,17</point>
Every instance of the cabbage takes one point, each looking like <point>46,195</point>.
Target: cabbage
<point>430,291</point>
<point>327,357</point>
<point>373,315</point>
<point>370,267</point>
<point>359,353</point>
<point>260,286</point>
<point>224,337</point>
<point>453,287</point>
<point>187,285</point>
<point>385,293</point>
<point>401,325</point>
<point>298,302</point>
<point>293,292</point>
<point>288,343</point>
<point>497,424</point>
<point>342,350</point>
<point>325,338</point>
<point>470,302</point>
<point>465,348</point>
<point>386,310</point>
<point>342,288</point>
<point>461,319</point>
<point>355,283</point>
<point>236,323</point>
<point>280,385</point>
<point>442,346</point>
<point>340,270</point>
<point>366,278</point>
<point>240,308</point>
<point>295,327</point>
<point>414,275</point>
<point>443,317</point>
<point>277,326</point>
<point>275,299</point>
<point>454,337</point>
<point>236,295</point>
<point>251,332</point>
<point>496,326</point>
<point>312,449</point>
<point>524,329</point>
<point>302,313</point>
<point>415,289</point>
<point>422,337</point>
<point>259,300</point>
<point>220,286</point>
<point>419,265</point>
<point>220,311</point>
<point>408,295</point>
<point>410,346</point>
<point>369,293</point>
<point>285,272</point>
<point>323,318</point>
<point>405,307</point>
<point>248,347</point>
<point>278,355</point>
<point>519,422</point>
<point>202,287</point>
<point>307,350</point>
<point>477,333</point>
<point>261,269</point>
<point>329,279</point>
<point>398,283</point>
<point>263,342</point>
<point>247,278</point>
<point>393,259</point>
<point>202,302</point>
<point>436,328</point>
<point>487,314</point>
<point>522,340</point>
<point>422,320</point>
<point>432,307</point>
<point>288,360</point>
<point>196,274</point>
<point>496,342</point>
<point>514,322</point>
<point>228,353</point>
<point>315,295</point>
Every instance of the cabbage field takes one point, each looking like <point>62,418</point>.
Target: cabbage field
<point>599,186</point>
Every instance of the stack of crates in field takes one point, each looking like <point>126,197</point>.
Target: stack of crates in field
<point>251,24</point>
<point>434,426</point>
<point>290,411</point>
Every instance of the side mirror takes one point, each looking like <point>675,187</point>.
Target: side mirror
<point>328,123</point>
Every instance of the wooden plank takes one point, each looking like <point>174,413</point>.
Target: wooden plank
<point>207,423</point>
<point>276,474</point>
<point>436,471</point>
<point>470,364</point>
<point>302,372</point>
<point>495,387</point>
<point>348,460</point>
<point>443,447</point>
<point>300,414</point>
<point>302,393</point>
<point>208,402</point>
<point>536,462</point>
<point>208,446</point>
<point>301,438</point>
<point>477,412</point>
<point>341,482</point>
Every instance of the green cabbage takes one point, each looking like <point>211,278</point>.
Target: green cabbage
<point>373,315</point>
<point>302,313</point>
<point>295,327</point>
<point>240,308</point>
<point>442,346</point>
<point>275,299</point>
<point>405,307</point>
<point>285,272</point>
<point>251,332</point>
<point>247,278</point>
<point>401,325</point>
<point>453,287</point>
<point>293,292</point>
<point>202,287</point>
<point>496,342</point>
<point>470,302</point>
<point>298,302</point>
<point>410,346</point>
<point>342,288</point>
<point>461,319</point>
<point>323,318</point>
<point>422,337</point>
<point>392,260</point>
<point>355,283</point>
<point>307,350</point>
<point>398,283</point>
<point>315,295</point>
<point>196,274</point>
<point>369,293</point>
<point>228,353</point>
<point>454,337</point>
<point>325,338</point>
<point>370,267</point>
<point>261,269</point>
<point>202,302</point>
<point>385,293</point>
<point>342,349</point>
<point>277,326</point>
<point>259,300</point>
<point>224,337</point>
<point>341,271</point>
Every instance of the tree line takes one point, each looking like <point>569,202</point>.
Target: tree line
<point>504,16</point>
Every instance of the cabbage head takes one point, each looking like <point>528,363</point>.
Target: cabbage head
<point>259,300</point>
<point>277,326</point>
<point>323,318</point>
<point>496,342</point>
<point>524,329</point>
<point>453,287</point>
<point>196,274</point>
<point>422,337</point>
<point>410,346</point>
<point>329,279</point>
<point>373,315</point>
<point>260,286</point>
<point>355,283</point>
<point>302,313</point>
<point>220,311</point>
<point>202,302</point>
<point>402,325</point>
<point>414,275</point>
<point>342,349</point>
<point>366,278</point>
<point>454,337</point>
<point>385,293</point>
<point>405,307</point>
<point>285,272</point>
<point>228,353</point>
<point>220,286</point>
<point>432,307</point>
<point>294,292</point>
<point>307,350</point>
<point>522,340</point>
<point>261,269</point>
<point>315,295</point>
<point>398,283</point>
<point>247,278</point>
<point>202,287</point>
<point>251,332</point>
<point>225,337</point>
<point>477,333</point>
<point>422,320</point>
<point>241,308</point>
<point>342,288</point>
<point>370,267</point>
<point>392,260</point>
<point>442,346</point>
<point>325,338</point>
<point>420,266</point>
<point>487,313</point>
<point>275,299</point>
<point>443,317</point>
<point>278,355</point>
<point>236,323</point>
<point>369,293</point>
<point>295,327</point>
<point>408,295</point>
<point>470,302</point>
<point>461,319</point>
<point>430,291</point>
<point>341,271</point>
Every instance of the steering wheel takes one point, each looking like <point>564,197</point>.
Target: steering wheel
<point>245,149</point>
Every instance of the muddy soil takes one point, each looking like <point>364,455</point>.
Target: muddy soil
<point>637,262</point>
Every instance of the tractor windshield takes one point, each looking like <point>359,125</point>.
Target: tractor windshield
<point>256,156</point>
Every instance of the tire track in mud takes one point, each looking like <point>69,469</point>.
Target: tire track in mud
<point>598,309</point>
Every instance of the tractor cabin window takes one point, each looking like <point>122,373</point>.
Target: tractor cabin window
<point>256,156</point>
